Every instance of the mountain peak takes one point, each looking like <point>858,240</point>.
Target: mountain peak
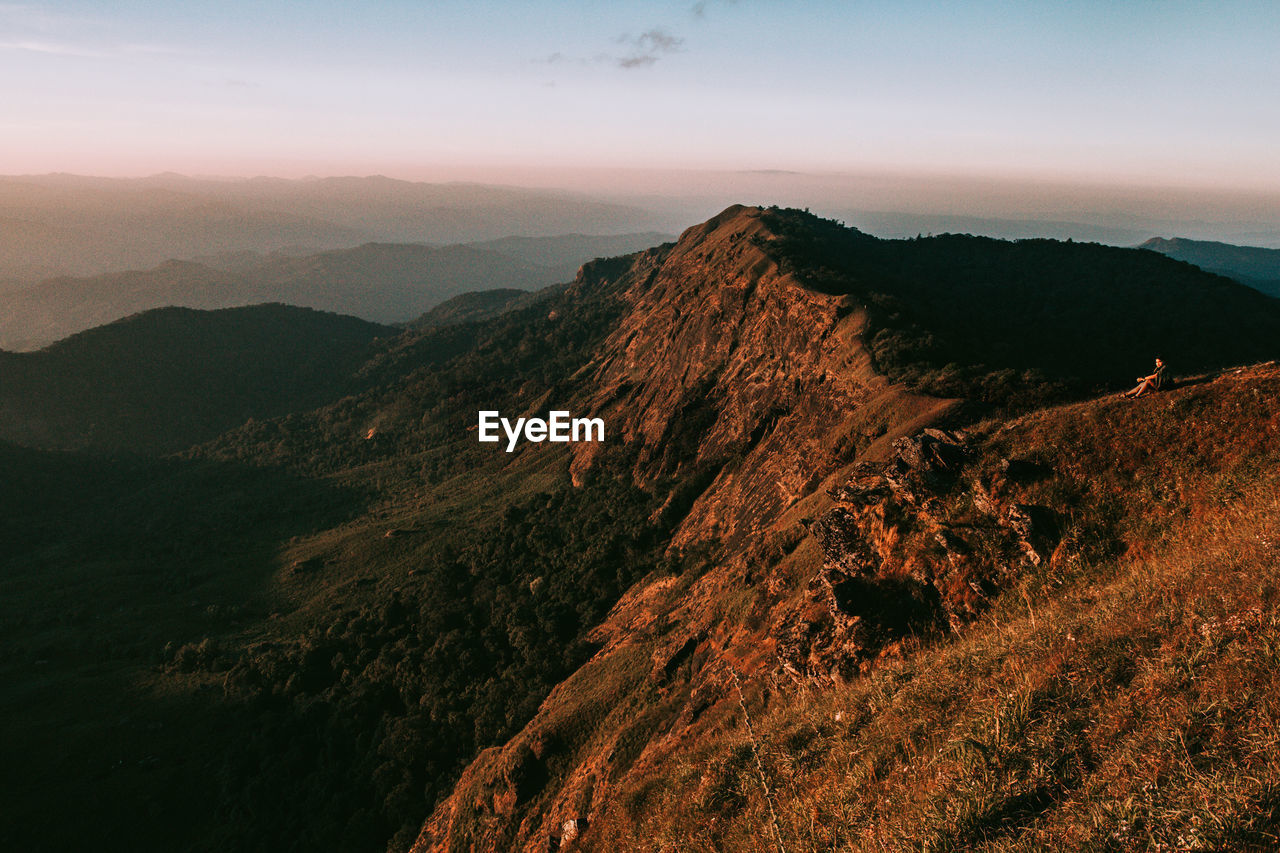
<point>727,364</point>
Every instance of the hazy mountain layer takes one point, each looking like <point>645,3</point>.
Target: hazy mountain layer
<point>571,250</point>
<point>1259,268</point>
<point>473,307</point>
<point>70,225</point>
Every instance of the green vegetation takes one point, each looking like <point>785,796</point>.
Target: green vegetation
<point>353,729</point>
<point>103,561</point>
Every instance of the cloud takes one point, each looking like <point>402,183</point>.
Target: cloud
<point>647,48</point>
<point>699,9</point>
<point>642,51</point>
<point>55,48</point>
<point>637,61</point>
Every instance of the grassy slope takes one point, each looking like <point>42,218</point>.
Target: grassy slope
<point>1121,701</point>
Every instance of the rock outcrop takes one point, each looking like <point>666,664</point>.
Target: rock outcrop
<point>910,551</point>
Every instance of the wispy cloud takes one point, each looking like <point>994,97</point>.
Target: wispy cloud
<point>699,9</point>
<point>647,48</point>
<point>642,51</point>
<point>56,48</point>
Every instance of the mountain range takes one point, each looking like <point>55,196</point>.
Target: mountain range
<point>873,557</point>
<point>380,282</point>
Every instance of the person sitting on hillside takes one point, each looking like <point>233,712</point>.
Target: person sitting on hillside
<point>1151,382</point>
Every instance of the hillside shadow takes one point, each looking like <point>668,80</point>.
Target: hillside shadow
<point>105,561</point>
<point>1192,381</point>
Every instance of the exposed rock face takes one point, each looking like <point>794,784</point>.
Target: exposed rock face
<point>733,375</point>
<point>906,556</point>
<point>571,829</point>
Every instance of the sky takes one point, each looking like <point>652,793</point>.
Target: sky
<point>1143,92</point>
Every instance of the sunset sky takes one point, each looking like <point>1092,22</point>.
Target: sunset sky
<point>1147,92</point>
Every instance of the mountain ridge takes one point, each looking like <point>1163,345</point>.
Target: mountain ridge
<point>770,604</point>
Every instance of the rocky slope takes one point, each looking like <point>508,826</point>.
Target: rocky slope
<point>829,528</point>
<point>1114,691</point>
<point>726,364</point>
<point>735,376</point>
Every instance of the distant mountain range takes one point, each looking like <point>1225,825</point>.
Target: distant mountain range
<point>54,225</point>
<point>1258,268</point>
<point>380,282</point>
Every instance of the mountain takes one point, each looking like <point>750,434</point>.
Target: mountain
<point>67,225</point>
<point>391,282</point>
<point>38,315</point>
<point>750,367</point>
<point>795,593</point>
<point>169,378</point>
<point>70,225</point>
<point>1258,268</point>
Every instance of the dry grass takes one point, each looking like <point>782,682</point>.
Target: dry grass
<point>1121,700</point>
